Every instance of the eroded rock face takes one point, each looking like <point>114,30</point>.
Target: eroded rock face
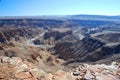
<point>105,54</point>
<point>17,34</point>
<point>75,50</point>
<point>88,49</point>
<point>54,37</point>
<point>109,37</point>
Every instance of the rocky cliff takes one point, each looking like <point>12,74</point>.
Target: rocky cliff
<point>72,50</point>
<point>86,50</point>
<point>54,37</point>
<point>113,37</point>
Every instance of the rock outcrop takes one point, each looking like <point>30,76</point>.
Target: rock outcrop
<point>17,69</point>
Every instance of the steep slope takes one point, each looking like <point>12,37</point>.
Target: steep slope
<point>113,37</point>
<point>54,37</point>
<point>110,53</point>
<point>76,50</point>
<point>17,34</point>
<point>87,50</point>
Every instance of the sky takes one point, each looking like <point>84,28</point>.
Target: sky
<point>58,7</point>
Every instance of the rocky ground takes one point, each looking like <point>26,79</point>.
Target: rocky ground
<point>17,69</point>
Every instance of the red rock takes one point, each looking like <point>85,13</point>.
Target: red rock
<point>24,75</point>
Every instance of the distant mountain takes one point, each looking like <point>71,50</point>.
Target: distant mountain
<point>66,17</point>
<point>94,17</point>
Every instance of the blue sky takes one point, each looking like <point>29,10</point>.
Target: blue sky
<point>58,7</point>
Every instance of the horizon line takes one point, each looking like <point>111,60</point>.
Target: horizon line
<point>56,15</point>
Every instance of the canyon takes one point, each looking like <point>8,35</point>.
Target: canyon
<point>59,49</point>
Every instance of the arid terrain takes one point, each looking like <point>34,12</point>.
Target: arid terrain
<point>63,48</point>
